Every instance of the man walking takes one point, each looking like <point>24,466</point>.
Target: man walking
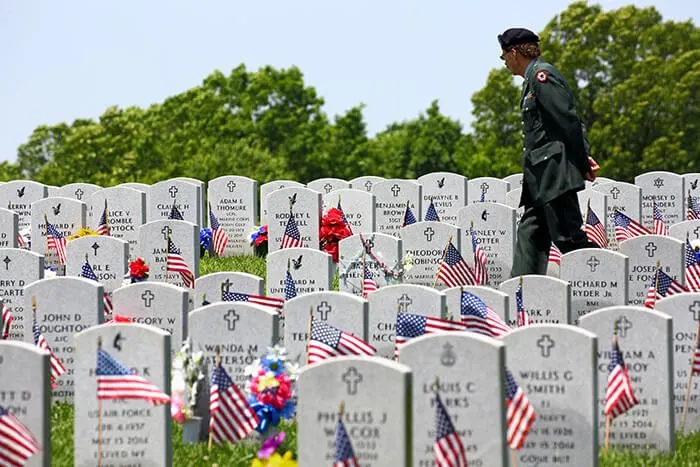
<point>555,157</point>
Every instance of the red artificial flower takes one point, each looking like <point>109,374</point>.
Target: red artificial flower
<point>333,230</point>
<point>138,268</point>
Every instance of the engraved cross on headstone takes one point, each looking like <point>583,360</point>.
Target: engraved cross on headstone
<point>615,192</point>
<point>396,189</point>
<point>79,194</point>
<point>323,309</point>
<point>484,187</point>
<point>7,261</point>
<point>429,232</point>
<point>226,285</point>
<point>147,298</point>
<point>545,343</point>
<point>95,247</point>
<point>368,185</point>
<point>404,302</point>
<point>231,317</point>
<point>625,325</point>
<point>166,231</point>
<point>593,263</point>
<point>651,248</point>
<point>352,377</point>
<point>173,191</point>
<point>328,187</point>
<point>695,310</point>
<point>231,185</point>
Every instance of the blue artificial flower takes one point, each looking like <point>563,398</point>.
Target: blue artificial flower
<point>268,416</point>
<point>288,410</point>
<point>205,238</point>
<point>273,363</point>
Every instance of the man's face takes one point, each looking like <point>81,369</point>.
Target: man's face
<point>508,57</point>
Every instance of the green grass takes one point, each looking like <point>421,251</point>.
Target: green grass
<point>687,452</point>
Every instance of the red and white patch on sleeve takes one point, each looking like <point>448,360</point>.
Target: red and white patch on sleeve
<point>541,76</point>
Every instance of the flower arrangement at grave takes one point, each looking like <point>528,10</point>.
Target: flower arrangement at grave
<point>268,456</point>
<point>393,274</point>
<point>138,271</point>
<point>188,375</point>
<point>83,232</point>
<point>49,272</point>
<point>333,229</point>
<point>271,388</point>
<point>258,240</point>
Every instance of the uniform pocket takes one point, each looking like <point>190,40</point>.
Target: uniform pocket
<point>546,152</point>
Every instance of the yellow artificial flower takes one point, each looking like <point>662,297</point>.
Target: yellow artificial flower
<point>267,381</point>
<point>276,460</point>
<point>84,232</point>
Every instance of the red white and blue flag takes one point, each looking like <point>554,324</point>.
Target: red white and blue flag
<point>448,448</point>
<point>431,214</point>
<point>480,260</point>
<point>57,368</point>
<point>662,285</point>
<point>520,415</point>
<point>595,231</point>
<point>176,263</point>
<point>619,396</point>
<point>344,453</point>
<point>89,273</point>
<point>231,417</point>
<point>692,268</point>
<point>659,224</point>
<point>17,443</point>
<point>368,284</point>
<point>479,318</point>
<point>408,217</point>
<point>409,326</point>
<point>6,320</point>
<point>56,241</point>
<point>626,227</point>
<point>453,270</point>
<point>291,237</point>
<point>523,317</point>
<point>116,381</point>
<point>274,303</point>
<point>102,225</point>
<point>219,236</point>
<point>327,341</point>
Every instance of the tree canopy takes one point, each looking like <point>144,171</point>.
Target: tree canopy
<point>635,78</point>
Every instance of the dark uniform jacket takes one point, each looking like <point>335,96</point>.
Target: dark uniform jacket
<point>555,152</point>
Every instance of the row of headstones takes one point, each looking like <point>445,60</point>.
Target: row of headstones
<point>371,203</point>
<point>389,409</point>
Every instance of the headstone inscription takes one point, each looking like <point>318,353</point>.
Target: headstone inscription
<point>545,299</point>
<point>9,229</point>
<point>623,197</point>
<point>211,287</point>
<point>203,195</point>
<point>25,392</point>
<point>644,253</point>
<point>598,279</point>
<point>157,304</point>
<point>133,432</point>
<point>107,256</point>
<point>645,338</point>
<point>447,191</point>
<point>382,256</point>
<point>454,364</point>
<point>126,212</point>
<point>302,203</point>
<point>267,188</point>
<point>386,302</point>
<point>66,215</point>
<point>365,182</point>
<point>234,202</point>
<point>376,395</point>
<point>426,241</point>
<point>17,269</point>
<point>153,248</point>
<point>64,306</point>
<point>184,195</point>
<point>357,206</point>
<point>78,191</point>
<point>491,189</point>
<point>328,185</point>
<point>562,390</point>
<point>391,198</point>
<point>18,196</point>
<point>668,190</point>
<point>310,270</point>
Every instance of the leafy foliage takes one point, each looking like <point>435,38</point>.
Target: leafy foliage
<point>635,78</point>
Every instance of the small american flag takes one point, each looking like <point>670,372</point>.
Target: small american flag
<point>20,241</point>
<point>117,381</point>
<point>56,241</point>
<point>6,320</point>
<point>693,208</point>
<point>345,219</point>
<point>103,226</point>
<point>327,341</point>
<point>276,304</point>
<point>175,213</point>
<point>520,415</point>
<point>431,214</point>
<point>480,318</point>
<point>17,444</point>
<point>523,317</point>
<point>662,285</point>
<point>409,325</point>
<point>453,270</point>
<point>231,417</point>
<point>696,360</point>
<point>291,237</point>
<point>408,217</point>
<point>480,260</point>
<point>368,284</point>
<point>692,268</point>
<point>554,255</point>
<point>659,224</point>
<point>88,273</point>
<point>218,233</point>
<point>57,368</point>
<point>290,290</point>
<point>344,454</point>
<point>594,229</point>
<point>626,228</point>
<point>448,448</point>
<point>176,263</point>
<point>619,396</point>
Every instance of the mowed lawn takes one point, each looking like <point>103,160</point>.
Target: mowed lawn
<point>687,453</point>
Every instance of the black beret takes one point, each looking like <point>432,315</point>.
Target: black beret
<point>516,36</point>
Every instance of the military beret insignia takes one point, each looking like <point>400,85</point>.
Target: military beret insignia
<point>541,76</point>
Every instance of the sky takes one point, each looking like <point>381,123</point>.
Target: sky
<point>62,60</point>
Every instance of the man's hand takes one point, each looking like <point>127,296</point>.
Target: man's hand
<point>591,176</point>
